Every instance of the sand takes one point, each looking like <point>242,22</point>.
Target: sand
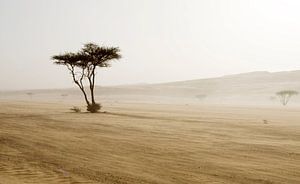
<point>148,143</point>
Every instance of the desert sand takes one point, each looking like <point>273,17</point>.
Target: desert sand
<point>148,143</point>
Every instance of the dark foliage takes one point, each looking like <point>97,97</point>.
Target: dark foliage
<point>93,107</point>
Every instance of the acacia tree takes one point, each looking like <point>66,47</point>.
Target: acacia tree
<point>285,95</point>
<point>83,64</point>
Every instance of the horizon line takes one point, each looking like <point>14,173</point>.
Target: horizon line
<point>155,83</point>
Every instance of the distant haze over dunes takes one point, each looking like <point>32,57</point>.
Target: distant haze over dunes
<point>255,87</point>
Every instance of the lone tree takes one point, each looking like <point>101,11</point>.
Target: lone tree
<point>285,96</point>
<point>83,64</point>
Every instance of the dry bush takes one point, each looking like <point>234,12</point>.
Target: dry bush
<point>94,107</point>
<point>75,109</point>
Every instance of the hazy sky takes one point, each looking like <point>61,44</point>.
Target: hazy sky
<point>160,40</point>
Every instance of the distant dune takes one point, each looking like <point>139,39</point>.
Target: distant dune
<point>255,88</point>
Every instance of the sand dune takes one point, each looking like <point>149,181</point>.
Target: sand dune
<point>148,143</point>
<point>256,88</point>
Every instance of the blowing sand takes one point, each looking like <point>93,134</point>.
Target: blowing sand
<point>148,143</point>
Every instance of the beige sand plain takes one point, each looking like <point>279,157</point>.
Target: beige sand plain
<point>148,143</point>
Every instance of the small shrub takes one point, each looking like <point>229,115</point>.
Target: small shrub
<point>75,109</point>
<point>30,94</point>
<point>94,107</point>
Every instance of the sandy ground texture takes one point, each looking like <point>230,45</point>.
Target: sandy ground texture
<point>148,143</point>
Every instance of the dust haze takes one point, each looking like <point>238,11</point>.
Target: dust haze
<point>153,92</point>
<point>190,40</point>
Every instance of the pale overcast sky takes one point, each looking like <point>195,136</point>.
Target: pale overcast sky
<point>160,40</point>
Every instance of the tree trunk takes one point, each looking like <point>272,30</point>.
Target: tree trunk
<point>85,96</point>
<point>92,92</point>
<point>92,85</point>
<point>94,107</point>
